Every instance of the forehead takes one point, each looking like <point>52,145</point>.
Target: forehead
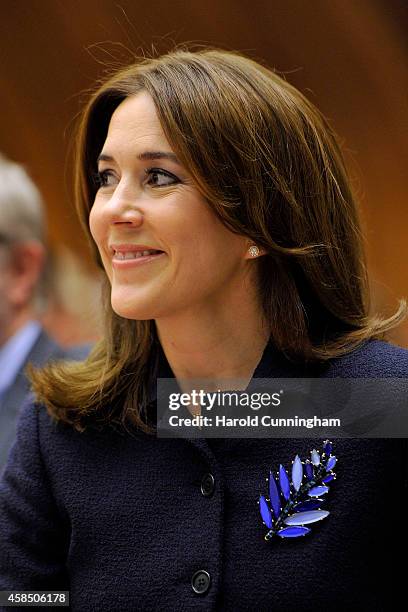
<point>135,119</point>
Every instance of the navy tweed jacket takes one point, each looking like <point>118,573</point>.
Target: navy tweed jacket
<point>125,522</point>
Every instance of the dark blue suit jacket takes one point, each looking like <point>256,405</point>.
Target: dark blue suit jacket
<point>121,521</point>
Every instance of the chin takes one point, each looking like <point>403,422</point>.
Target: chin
<point>131,312</point>
<point>134,314</point>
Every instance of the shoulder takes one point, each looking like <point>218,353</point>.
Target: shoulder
<point>32,415</point>
<point>373,359</point>
<point>59,445</point>
<point>36,437</point>
<point>33,424</point>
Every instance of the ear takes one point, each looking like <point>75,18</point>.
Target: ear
<point>28,259</point>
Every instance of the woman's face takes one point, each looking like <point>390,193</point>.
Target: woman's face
<point>147,200</point>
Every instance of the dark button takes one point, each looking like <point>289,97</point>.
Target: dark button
<point>207,485</point>
<point>201,582</point>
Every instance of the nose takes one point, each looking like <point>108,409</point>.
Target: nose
<point>124,207</point>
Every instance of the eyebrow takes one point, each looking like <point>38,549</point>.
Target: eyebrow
<point>146,155</point>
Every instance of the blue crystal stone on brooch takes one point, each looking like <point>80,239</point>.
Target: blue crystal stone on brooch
<point>296,501</point>
<point>316,491</point>
<point>309,504</point>
<point>327,447</point>
<point>293,532</point>
<point>331,463</point>
<point>315,457</point>
<point>309,470</point>
<point>274,496</point>
<point>284,482</point>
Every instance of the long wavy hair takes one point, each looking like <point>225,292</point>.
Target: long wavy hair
<point>270,166</point>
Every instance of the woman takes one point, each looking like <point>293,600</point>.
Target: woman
<point>232,186</point>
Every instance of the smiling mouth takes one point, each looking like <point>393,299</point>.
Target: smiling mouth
<point>135,259</point>
<point>120,256</point>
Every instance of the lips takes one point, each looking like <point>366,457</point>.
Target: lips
<point>129,255</point>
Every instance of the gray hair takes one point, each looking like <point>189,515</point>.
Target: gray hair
<point>22,217</point>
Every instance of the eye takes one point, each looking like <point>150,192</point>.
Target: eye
<point>104,178</point>
<point>159,176</point>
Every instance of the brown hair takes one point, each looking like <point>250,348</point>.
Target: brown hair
<point>270,166</point>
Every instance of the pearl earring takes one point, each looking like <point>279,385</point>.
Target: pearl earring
<point>253,251</point>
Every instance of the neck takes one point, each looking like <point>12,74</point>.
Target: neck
<point>216,343</point>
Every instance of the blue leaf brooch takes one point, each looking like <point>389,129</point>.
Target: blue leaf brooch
<point>293,505</point>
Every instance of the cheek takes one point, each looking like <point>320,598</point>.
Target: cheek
<point>211,256</point>
<point>97,227</point>
<point>94,223</point>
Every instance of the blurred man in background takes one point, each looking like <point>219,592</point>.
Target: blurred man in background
<point>23,295</point>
